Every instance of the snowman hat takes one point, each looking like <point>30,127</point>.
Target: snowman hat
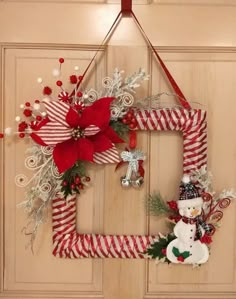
<point>189,194</point>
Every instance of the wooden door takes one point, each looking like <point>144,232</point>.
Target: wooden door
<point>197,41</point>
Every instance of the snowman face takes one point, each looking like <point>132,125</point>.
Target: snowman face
<point>191,212</point>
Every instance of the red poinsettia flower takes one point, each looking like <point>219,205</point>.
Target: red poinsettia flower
<point>76,136</point>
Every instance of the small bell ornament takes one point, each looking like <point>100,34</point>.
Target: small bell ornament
<point>135,172</point>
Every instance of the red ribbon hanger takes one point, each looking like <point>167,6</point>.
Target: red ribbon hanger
<point>126,10</point>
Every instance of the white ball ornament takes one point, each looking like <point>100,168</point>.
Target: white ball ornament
<point>39,80</point>
<point>56,72</point>
<point>85,96</point>
<point>22,106</point>
<point>8,131</point>
<point>76,68</point>
<point>44,113</point>
<point>17,118</point>
<point>36,106</point>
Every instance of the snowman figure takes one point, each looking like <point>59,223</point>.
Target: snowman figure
<point>187,247</point>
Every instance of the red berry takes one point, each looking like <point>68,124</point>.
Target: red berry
<point>27,104</point>
<point>81,186</point>
<point>80,78</point>
<point>124,121</point>
<point>180,258</point>
<point>77,180</point>
<point>88,179</point>
<point>1,135</point>
<point>163,251</point>
<point>79,94</point>
<point>64,183</point>
<point>47,90</point>
<point>73,79</point>
<point>72,186</point>
<point>21,135</point>
<point>27,112</point>
<point>39,117</point>
<point>59,83</point>
<point>61,60</point>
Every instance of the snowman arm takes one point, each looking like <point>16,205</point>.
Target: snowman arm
<point>177,228</point>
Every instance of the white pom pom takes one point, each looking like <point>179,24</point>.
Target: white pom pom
<point>17,118</point>
<point>85,96</point>
<point>76,68</point>
<point>8,131</point>
<point>56,72</point>
<point>22,106</point>
<point>186,179</point>
<point>39,80</point>
<point>36,106</point>
<point>44,113</point>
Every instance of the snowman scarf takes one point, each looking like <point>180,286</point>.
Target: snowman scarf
<point>198,221</point>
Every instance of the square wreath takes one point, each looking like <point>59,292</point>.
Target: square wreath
<point>85,125</point>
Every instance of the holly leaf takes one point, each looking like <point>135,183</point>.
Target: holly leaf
<point>176,252</point>
<point>185,254</point>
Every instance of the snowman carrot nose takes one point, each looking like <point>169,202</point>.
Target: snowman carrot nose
<point>195,212</point>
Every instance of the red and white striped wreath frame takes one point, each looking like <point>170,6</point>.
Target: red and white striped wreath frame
<point>68,243</point>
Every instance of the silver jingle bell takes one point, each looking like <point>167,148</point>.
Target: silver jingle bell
<point>138,182</point>
<point>125,182</point>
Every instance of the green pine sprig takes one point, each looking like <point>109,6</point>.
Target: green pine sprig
<point>71,179</point>
<point>120,128</point>
<point>156,206</point>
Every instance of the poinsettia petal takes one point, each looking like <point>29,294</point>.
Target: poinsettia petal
<point>97,114</point>
<point>57,111</point>
<point>72,118</point>
<point>109,156</point>
<point>85,149</point>
<point>112,135</point>
<point>52,133</point>
<point>101,142</point>
<point>65,154</point>
<point>91,130</point>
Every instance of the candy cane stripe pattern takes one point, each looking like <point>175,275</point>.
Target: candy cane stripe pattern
<point>192,123</point>
<point>67,243</point>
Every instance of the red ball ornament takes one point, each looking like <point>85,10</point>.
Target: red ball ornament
<point>125,121</point>
<point>79,94</point>
<point>61,60</point>
<point>21,135</point>
<point>132,126</point>
<point>1,135</point>
<point>129,115</point>
<point>37,101</point>
<point>59,83</point>
<point>27,104</point>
